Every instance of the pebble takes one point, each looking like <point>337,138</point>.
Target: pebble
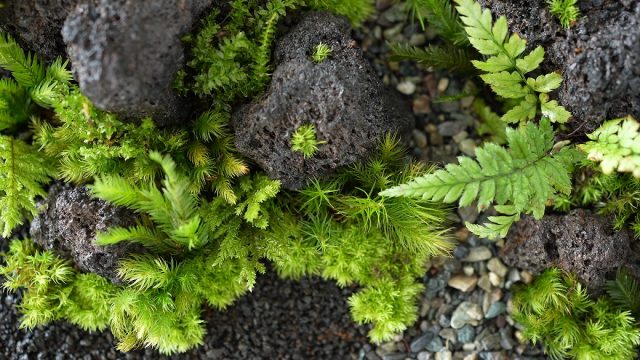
<point>466,313</point>
<point>468,214</point>
<point>435,344</point>
<point>425,355</point>
<point>496,266</point>
<point>473,356</point>
<point>457,138</point>
<point>490,342</point>
<point>394,356</point>
<point>451,128</point>
<point>497,308</point>
<point>468,270</point>
<point>417,39</point>
<point>421,105</point>
<point>466,334</point>
<point>460,251</point>
<point>495,279</point>
<point>449,335</point>
<point>484,283</point>
<point>527,277</point>
<point>444,355</point>
<point>443,84</point>
<point>468,147</point>
<point>480,253</point>
<point>463,283</point>
<point>420,138</point>
<point>406,87</point>
<point>421,342</point>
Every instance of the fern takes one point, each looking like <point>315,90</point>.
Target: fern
<point>565,10</point>
<point>23,172</point>
<point>624,292</point>
<point>28,70</point>
<point>507,68</point>
<point>557,311</point>
<point>441,17</point>
<point>525,176</point>
<point>435,56</point>
<point>490,124</point>
<point>616,146</point>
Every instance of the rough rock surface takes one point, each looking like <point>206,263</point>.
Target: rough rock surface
<point>36,24</point>
<point>599,57</point>
<point>580,242</point>
<point>69,222</point>
<point>342,97</point>
<point>125,54</point>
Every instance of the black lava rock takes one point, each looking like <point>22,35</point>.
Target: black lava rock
<point>126,53</point>
<point>342,97</point>
<point>599,56</point>
<point>69,222</point>
<point>579,242</point>
<point>36,24</point>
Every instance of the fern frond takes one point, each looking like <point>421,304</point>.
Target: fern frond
<point>506,67</point>
<point>624,291</point>
<point>436,56</point>
<point>27,69</point>
<point>490,124</point>
<point>525,175</point>
<point>616,146</point>
<point>441,17</point>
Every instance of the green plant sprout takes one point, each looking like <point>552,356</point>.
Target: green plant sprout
<point>321,52</point>
<point>304,140</point>
<point>565,10</point>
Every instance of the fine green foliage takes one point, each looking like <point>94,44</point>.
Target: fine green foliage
<point>444,56</point>
<point>357,11</point>
<point>235,66</point>
<point>53,290</point>
<point>454,54</point>
<point>490,123</point>
<point>521,178</point>
<point>624,292</point>
<point>506,67</point>
<point>557,311</point>
<point>181,224</point>
<point>565,10</point>
<point>321,52</point>
<point>616,146</point>
<point>440,16</point>
<point>23,172</point>
<point>343,230</point>
<point>304,140</point>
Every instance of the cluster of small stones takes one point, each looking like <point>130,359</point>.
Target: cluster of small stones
<point>465,312</point>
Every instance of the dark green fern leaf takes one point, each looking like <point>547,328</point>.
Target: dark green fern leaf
<point>439,57</point>
<point>625,291</point>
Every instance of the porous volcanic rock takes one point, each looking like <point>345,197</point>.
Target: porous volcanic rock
<point>599,57</point>
<point>36,24</point>
<point>126,53</point>
<point>342,97</point>
<point>69,222</point>
<point>579,242</point>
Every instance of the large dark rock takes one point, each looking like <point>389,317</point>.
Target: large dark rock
<point>579,242</point>
<point>69,222</point>
<point>342,97</point>
<point>126,53</point>
<point>36,24</point>
<point>599,57</point>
